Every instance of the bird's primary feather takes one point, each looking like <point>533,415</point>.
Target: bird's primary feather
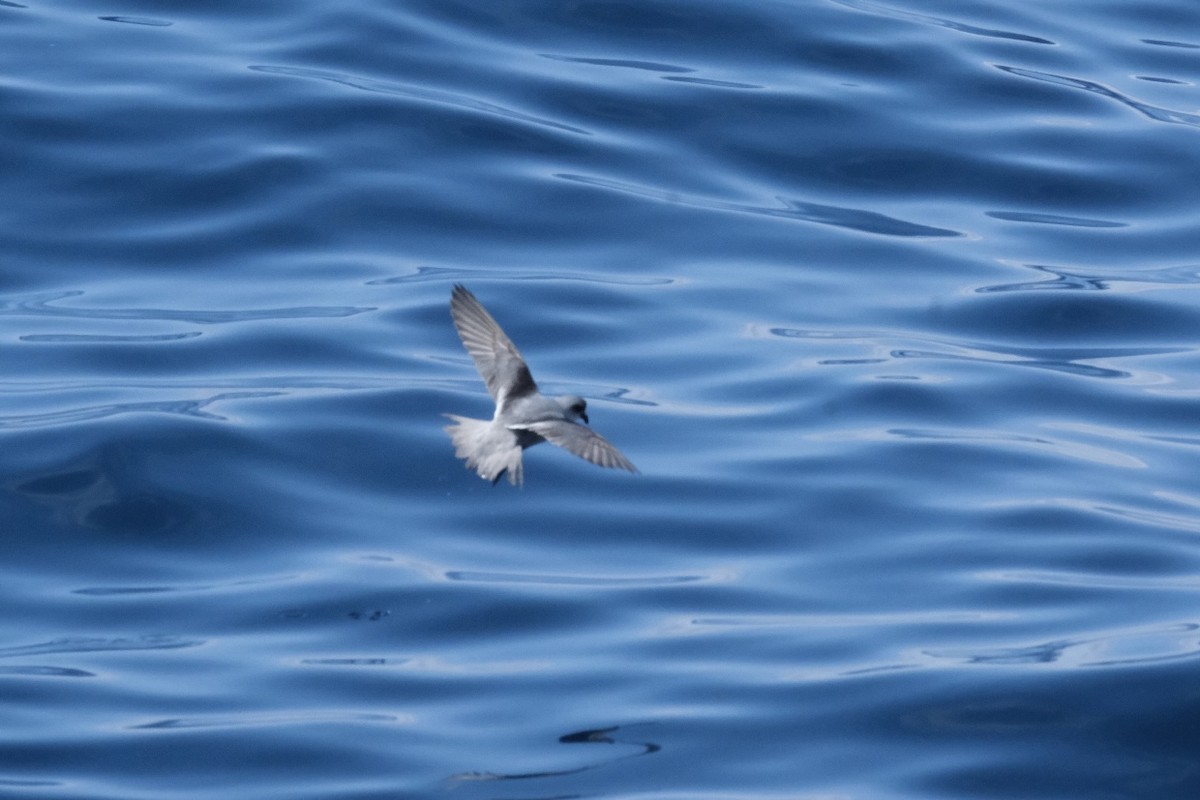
<point>496,357</point>
<point>583,442</point>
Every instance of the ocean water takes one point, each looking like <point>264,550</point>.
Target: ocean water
<point>893,303</point>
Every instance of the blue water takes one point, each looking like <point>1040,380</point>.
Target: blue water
<point>892,302</point>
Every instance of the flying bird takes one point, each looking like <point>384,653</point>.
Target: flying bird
<point>524,416</point>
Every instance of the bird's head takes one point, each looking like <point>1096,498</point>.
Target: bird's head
<point>575,407</point>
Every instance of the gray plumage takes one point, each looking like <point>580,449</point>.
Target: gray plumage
<point>524,416</point>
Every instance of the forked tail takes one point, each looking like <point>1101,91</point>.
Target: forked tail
<point>488,449</point>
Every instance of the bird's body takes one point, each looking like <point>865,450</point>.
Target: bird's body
<point>524,416</point>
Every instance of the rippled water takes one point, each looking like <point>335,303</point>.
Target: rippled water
<point>893,304</point>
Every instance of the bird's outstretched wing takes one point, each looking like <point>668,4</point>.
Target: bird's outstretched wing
<point>496,357</point>
<point>580,440</point>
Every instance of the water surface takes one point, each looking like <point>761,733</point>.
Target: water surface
<point>893,304</point>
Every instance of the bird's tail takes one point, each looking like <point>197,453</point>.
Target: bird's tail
<point>488,449</point>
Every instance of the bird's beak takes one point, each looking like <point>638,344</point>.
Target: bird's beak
<point>583,416</point>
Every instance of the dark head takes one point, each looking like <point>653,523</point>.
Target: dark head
<point>576,407</point>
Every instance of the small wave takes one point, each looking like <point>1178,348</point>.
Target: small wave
<point>417,93</point>
<point>668,72</point>
<point>100,645</point>
<point>271,720</point>
<point>41,305</point>
<point>572,580</point>
<point>627,63</point>
<point>1083,452</point>
<point>1156,113</point>
<point>1070,366</point>
<point>1153,583</point>
<point>1159,79</point>
<point>613,735</point>
<point>799,210</point>
<point>1054,219</point>
<point>148,21</point>
<point>1099,280</point>
<point>96,338</point>
<point>1055,359</point>
<point>713,82</point>
<point>1170,43</point>
<point>122,591</point>
<point>445,274</point>
<point>941,22</point>
<point>45,672</point>
<point>189,408</point>
<point>1124,648</point>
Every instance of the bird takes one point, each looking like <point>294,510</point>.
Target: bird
<point>524,416</point>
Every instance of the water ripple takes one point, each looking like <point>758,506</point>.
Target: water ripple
<point>592,736</point>
<point>40,305</point>
<point>941,22</point>
<point>123,591</point>
<point>472,576</point>
<point>188,408</point>
<point>1153,583</point>
<point>1170,43</point>
<point>798,210</point>
<point>1056,359</point>
<point>842,621</point>
<point>1157,113</point>
<point>45,672</point>
<point>670,72</point>
<point>1135,647</point>
<point>149,21</point>
<point>269,720</point>
<point>1099,279</point>
<point>627,63</point>
<point>99,645</point>
<point>713,82</point>
<point>97,338</point>
<point>450,274</point>
<point>996,438</point>
<point>1188,524</point>
<point>1069,366</point>
<point>418,93</point>
<point>1054,219</point>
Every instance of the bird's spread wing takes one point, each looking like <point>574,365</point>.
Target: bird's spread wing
<point>496,357</point>
<point>580,440</point>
